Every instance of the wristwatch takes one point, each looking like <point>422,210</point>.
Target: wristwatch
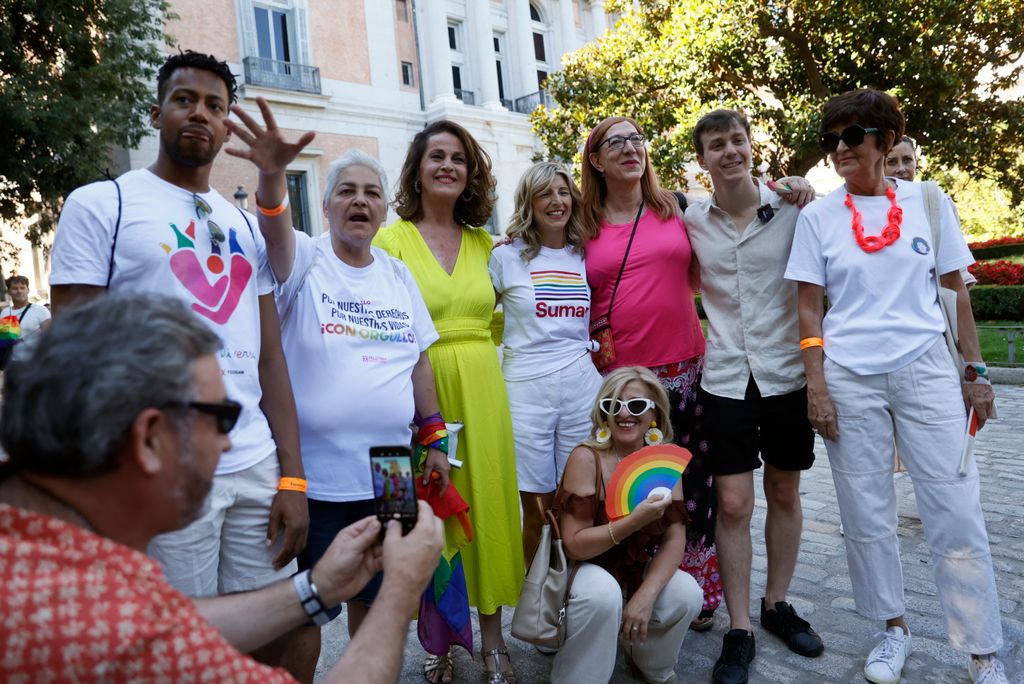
<point>309,597</point>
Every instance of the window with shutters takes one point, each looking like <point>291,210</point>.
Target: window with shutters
<point>276,39</point>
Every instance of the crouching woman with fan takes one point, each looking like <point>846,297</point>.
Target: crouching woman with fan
<point>628,588</point>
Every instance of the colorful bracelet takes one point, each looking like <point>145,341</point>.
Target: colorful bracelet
<point>292,484</point>
<point>809,342</point>
<point>432,432</point>
<point>276,211</point>
<point>614,540</point>
<point>976,372</point>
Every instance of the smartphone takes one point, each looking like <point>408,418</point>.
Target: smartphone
<point>394,486</point>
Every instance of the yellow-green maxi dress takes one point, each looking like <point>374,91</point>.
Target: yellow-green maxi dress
<point>471,389</point>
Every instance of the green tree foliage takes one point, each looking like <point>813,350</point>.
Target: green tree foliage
<point>74,83</point>
<point>670,61</point>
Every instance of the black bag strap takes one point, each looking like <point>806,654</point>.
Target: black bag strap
<point>23,312</point>
<point>246,219</point>
<point>625,256</point>
<point>117,229</point>
<point>681,200</point>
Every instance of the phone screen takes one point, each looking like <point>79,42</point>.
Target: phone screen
<point>394,488</point>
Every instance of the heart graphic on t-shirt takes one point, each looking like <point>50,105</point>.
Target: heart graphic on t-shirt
<point>219,299</point>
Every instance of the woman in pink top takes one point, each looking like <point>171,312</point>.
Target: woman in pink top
<point>653,318</point>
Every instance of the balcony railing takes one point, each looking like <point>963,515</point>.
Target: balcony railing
<point>527,103</point>
<point>272,73</point>
<point>466,96</point>
<point>508,104</point>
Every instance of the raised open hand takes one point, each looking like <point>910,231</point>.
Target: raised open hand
<point>267,148</point>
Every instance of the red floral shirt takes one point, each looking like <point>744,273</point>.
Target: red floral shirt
<point>75,606</point>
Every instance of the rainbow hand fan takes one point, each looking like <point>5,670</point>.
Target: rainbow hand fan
<point>660,465</point>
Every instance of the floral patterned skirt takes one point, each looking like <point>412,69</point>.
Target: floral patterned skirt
<point>681,381</point>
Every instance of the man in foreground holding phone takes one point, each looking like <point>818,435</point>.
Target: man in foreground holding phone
<point>105,455</point>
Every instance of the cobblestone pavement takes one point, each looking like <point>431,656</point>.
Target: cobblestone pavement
<point>821,587</point>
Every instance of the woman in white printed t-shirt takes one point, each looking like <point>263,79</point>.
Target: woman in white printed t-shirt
<point>878,368</point>
<point>355,332</point>
<point>540,278</point>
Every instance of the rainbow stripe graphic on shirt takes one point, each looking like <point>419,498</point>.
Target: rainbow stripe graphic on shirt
<point>559,286</point>
<point>560,294</point>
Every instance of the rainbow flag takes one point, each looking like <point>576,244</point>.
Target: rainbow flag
<point>444,606</point>
<point>10,331</point>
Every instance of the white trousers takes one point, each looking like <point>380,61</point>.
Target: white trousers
<point>594,618</point>
<point>550,417</point>
<point>921,406</point>
<point>223,550</point>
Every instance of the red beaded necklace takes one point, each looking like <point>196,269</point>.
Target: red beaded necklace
<point>891,232</point>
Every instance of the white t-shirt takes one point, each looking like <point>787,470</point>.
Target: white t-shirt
<point>884,310</point>
<point>351,339</point>
<point>35,316</point>
<point>547,309</point>
<point>216,264</point>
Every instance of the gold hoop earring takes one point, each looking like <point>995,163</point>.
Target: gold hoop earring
<point>472,194</point>
<point>416,187</point>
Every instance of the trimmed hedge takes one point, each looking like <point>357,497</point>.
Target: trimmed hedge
<point>989,302</point>
<point>997,252</point>
<point>998,302</point>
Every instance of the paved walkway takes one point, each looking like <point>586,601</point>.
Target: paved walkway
<point>821,587</point>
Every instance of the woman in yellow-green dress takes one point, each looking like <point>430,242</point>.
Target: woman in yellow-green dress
<point>447,187</point>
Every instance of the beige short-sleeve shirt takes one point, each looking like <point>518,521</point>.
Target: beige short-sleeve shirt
<point>751,308</point>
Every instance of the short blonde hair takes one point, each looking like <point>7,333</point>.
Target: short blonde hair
<point>535,181</point>
<point>612,387</point>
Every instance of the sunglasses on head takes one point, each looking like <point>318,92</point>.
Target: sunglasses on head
<point>225,413</point>
<point>636,407</point>
<point>851,135</point>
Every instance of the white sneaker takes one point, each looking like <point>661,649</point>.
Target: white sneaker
<point>885,662</point>
<point>986,670</point>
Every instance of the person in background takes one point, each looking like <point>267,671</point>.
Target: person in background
<point>902,162</point>
<point>540,278</point>
<point>878,369</point>
<point>21,320</point>
<point>446,189</point>
<point>628,588</point>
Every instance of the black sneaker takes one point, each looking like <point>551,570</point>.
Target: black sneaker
<point>737,652</point>
<point>784,623</point>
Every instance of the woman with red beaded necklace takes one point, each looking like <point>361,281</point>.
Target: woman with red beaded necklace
<point>878,368</point>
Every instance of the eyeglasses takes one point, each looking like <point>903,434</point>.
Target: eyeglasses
<point>851,135</point>
<point>636,407</point>
<point>617,142</point>
<point>203,211</point>
<point>226,412</point>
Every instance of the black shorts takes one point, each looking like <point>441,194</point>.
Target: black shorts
<point>774,427</point>
<point>326,519</point>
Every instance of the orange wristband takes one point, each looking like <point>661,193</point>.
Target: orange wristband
<point>809,342</point>
<point>276,211</point>
<point>292,484</point>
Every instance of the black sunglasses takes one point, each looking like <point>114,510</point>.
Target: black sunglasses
<point>851,135</point>
<point>226,413</point>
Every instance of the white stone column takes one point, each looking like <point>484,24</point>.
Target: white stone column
<point>598,19</point>
<point>567,28</point>
<point>522,47</point>
<point>482,32</point>
<point>434,21</point>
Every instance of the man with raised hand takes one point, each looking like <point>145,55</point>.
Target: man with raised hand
<point>753,387</point>
<point>163,229</point>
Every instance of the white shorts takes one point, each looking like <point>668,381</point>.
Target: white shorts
<point>224,549</point>
<point>550,417</point>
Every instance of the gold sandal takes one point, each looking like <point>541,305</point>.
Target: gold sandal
<point>497,675</point>
<point>444,664</point>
